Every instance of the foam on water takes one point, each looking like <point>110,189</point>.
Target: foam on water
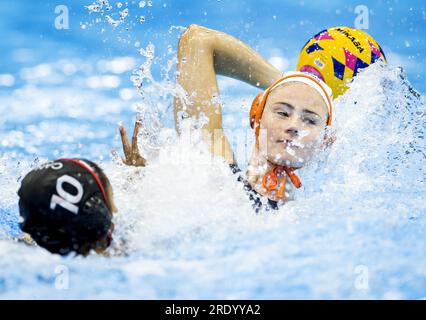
<point>185,228</point>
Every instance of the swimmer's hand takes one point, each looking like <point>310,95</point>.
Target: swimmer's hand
<point>26,238</point>
<point>132,156</point>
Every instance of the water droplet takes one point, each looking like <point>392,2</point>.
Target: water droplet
<point>112,22</point>
<point>124,14</point>
<point>94,8</point>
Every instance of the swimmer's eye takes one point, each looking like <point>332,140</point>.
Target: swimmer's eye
<point>283,114</point>
<point>310,121</point>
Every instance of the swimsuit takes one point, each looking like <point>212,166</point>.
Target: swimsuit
<point>254,196</point>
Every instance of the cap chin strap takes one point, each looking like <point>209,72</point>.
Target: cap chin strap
<point>271,179</point>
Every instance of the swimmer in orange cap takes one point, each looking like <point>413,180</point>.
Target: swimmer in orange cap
<point>289,117</point>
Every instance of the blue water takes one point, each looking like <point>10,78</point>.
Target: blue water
<point>356,229</point>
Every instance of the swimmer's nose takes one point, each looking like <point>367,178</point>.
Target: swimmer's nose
<point>291,126</point>
<point>292,131</point>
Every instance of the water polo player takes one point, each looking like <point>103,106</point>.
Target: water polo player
<point>66,207</point>
<point>289,117</point>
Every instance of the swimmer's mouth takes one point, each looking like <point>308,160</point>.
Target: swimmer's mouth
<point>289,143</point>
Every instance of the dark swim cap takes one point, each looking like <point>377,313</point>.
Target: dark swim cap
<point>65,207</point>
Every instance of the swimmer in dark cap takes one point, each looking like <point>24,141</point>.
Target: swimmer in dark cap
<point>66,207</point>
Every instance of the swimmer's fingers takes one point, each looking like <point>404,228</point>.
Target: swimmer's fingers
<point>136,159</point>
<point>26,238</point>
<point>126,143</point>
<point>135,148</point>
<point>131,151</point>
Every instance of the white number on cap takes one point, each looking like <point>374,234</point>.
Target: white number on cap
<point>65,199</point>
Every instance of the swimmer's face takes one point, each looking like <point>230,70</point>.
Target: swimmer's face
<point>292,124</point>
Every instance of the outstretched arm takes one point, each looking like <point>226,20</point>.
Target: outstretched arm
<point>202,54</point>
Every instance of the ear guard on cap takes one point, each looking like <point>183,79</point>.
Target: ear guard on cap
<point>256,110</point>
<point>255,106</point>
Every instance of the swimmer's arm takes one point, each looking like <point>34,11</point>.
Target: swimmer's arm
<point>202,54</point>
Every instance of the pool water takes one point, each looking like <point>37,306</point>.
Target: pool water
<point>185,228</point>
